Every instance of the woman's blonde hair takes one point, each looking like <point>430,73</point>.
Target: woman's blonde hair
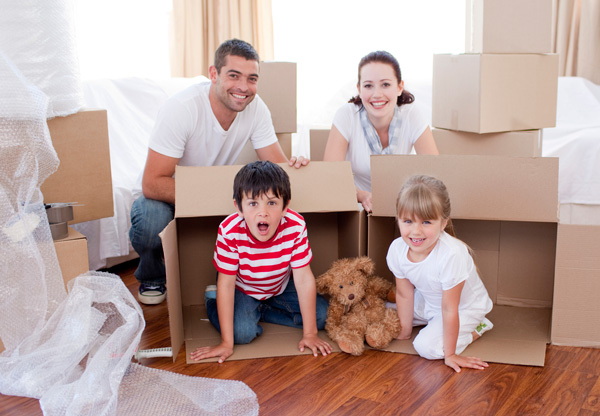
<point>425,197</point>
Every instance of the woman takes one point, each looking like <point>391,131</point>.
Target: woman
<point>379,120</point>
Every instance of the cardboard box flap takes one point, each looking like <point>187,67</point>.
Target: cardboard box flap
<point>506,188</point>
<point>171,253</point>
<point>319,187</point>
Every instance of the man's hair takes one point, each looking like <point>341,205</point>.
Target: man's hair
<point>234,47</point>
<point>261,177</point>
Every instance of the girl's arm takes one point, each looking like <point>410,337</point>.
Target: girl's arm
<point>450,302</point>
<point>405,303</point>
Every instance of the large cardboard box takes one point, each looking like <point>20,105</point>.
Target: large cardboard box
<point>322,192</point>
<point>277,88</point>
<point>248,154</point>
<point>83,176</point>
<point>488,93</point>
<point>525,143</point>
<point>318,142</point>
<point>509,26</point>
<point>72,255</point>
<point>505,209</point>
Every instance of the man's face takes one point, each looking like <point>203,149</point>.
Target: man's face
<point>235,86</point>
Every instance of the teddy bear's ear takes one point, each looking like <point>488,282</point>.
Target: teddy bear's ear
<point>365,265</point>
<point>323,282</point>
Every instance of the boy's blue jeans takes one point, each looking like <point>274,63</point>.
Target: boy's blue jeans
<point>283,309</point>
<point>148,218</point>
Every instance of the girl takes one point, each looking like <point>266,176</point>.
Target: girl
<point>381,119</point>
<point>437,283</point>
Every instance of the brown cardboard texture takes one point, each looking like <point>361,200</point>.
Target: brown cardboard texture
<point>509,26</point>
<point>318,141</point>
<point>277,88</point>
<point>505,209</point>
<point>525,143</point>
<point>248,154</point>
<point>488,93</point>
<point>322,192</point>
<point>576,310</point>
<point>83,176</point>
<point>72,255</point>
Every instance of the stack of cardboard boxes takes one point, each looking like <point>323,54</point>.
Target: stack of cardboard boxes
<point>83,178</point>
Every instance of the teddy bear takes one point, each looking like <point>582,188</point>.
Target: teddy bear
<point>357,309</point>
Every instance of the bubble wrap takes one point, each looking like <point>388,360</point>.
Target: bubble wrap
<point>73,352</point>
<point>38,36</point>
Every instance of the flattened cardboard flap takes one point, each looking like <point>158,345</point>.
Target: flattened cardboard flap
<point>481,187</point>
<point>319,187</point>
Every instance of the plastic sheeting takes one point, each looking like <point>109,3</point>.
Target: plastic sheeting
<point>72,352</point>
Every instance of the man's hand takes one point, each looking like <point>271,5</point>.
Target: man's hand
<point>298,162</point>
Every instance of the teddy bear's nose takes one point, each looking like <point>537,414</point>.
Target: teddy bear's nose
<point>351,296</point>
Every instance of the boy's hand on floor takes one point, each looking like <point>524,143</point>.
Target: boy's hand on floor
<point>222,351</point>
<point>316,344</point>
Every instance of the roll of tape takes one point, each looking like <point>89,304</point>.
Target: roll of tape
<point>59,230</point>
<point>59,213</point>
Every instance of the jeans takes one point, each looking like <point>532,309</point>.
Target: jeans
<point>283,309</point>
<point>148,218</point>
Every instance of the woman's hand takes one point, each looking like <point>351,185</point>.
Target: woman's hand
<point>366,199</point>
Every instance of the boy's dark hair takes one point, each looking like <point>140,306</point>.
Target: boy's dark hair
<point>235,47</point>
<point>260,177</point>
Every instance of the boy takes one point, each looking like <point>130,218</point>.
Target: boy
<point>263,259</point>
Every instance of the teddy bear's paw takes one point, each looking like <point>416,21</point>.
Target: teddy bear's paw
<point>377,343</point>
<point>351,348</point>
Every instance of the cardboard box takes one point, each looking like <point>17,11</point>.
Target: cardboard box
<point>509,26</point>
<point>505,209</point>
<point>248,153</point>
<point>318,141</point>
<point>322,192</point>
<point>72,254</point>
<point>488,93</point>
<point>84,176</point>
<point>525,143</point>
<point>277,88</point>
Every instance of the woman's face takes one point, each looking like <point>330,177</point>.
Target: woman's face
<point>379,89</point>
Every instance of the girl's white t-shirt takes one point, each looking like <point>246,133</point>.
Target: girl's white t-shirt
<point>448,264</point>
<point>347,121</point>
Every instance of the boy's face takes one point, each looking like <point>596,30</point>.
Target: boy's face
<point>262,214</point>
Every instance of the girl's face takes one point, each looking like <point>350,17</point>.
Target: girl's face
<point>420,235</point>
<point>379,89</point>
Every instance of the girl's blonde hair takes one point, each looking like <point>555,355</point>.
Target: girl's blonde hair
<point>425,197</point>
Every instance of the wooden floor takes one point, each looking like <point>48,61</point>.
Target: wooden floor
<point>382,383</point>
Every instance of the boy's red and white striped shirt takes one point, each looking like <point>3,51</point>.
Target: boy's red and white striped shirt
<point>262,269</point>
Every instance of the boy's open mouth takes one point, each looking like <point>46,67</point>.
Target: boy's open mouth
<point>263,227</point>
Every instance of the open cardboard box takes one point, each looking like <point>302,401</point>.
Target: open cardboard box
<point>322,192</point>
<point>539,273</point>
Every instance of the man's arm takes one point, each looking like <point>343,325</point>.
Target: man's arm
<point>158,182</point>
<point>274,153</point>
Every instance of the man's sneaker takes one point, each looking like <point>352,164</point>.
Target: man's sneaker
<point>484,326</point>
<point>210,292</point>
<point>152,294</point>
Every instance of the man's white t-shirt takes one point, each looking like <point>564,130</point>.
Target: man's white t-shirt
<point>187,129</point>
<point>347,121</point>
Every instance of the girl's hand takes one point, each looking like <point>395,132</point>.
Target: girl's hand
<point>456,362</point>
<point>316,344</point>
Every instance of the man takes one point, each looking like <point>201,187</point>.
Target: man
<point>204,125</point>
